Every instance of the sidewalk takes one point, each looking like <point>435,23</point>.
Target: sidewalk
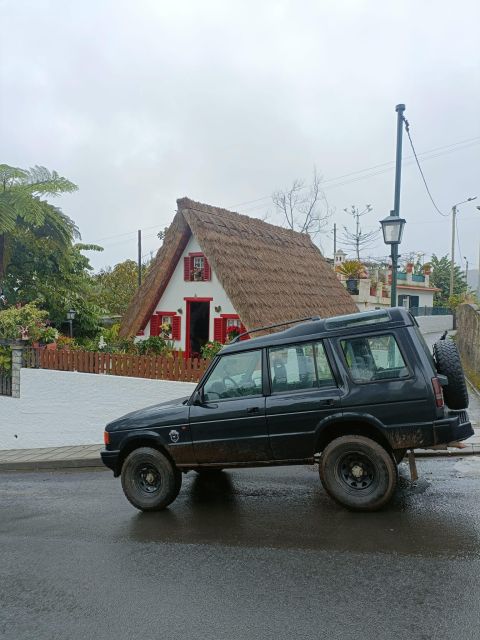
<point>51,458</point>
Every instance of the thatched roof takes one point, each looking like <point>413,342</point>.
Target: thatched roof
<point>269,273</point>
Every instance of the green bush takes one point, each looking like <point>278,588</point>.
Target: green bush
<point>29,320</point>
<point>210,349</point>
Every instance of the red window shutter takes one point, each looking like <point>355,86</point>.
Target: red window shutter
<point>155,325</point>
<point>219,330</point>
<point>242,330</point>
<point>187,268</point>
<point>176,327</point>
<point>207,272</point>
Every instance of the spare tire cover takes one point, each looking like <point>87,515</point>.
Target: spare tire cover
<point>448,363</point>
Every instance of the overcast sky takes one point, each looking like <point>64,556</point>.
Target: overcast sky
<point>140,103</point>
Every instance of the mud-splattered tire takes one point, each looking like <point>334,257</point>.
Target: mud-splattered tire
<point>448,363</point>
<point>150,480</point>
<point>358,473</point>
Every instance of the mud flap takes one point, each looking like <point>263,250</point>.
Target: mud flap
<point>412,465</point>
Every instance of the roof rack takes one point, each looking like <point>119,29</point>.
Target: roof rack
<point>274,326</point>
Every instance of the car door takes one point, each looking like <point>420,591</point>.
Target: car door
<point>304,391</point>
<point>228,421</point>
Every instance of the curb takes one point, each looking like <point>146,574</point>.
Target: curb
<point>472,387</point>
<point>457,453</point>
<point>38,465</point>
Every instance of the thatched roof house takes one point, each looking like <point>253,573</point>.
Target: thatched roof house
<point>219,269</point>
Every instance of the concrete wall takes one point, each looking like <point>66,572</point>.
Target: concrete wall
<point>62,408</point>
<point>468,338</point>
<point>435,324</point>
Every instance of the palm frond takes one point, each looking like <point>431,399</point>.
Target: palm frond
<point>41,181</point>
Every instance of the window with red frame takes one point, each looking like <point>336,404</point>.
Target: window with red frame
<point>227,327</point>
<point>166,317</point>
<point>196,267</point>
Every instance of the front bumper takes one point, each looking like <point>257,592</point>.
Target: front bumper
<point>110,459</point>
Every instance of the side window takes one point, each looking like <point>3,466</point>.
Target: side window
<point>235,376</point>
<point>325,376</point>
<point>374,358</point>
<point>292,368</point>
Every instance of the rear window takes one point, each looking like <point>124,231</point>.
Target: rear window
<point>374,358</point>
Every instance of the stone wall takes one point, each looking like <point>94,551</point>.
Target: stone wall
<point>468,339</point>
<point>63,408</point>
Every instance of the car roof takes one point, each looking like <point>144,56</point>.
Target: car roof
<point>364,321</point>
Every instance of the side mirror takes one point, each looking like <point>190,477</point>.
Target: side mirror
<point>198,398</point>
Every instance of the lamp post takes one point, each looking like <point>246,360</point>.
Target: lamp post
<point>392,228</point>
<point>454,218</point>
<point>71,317</point>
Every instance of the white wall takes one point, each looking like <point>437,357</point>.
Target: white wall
<point>178,289</point>
<point>63,408</point>
<point>425,298</point>
<point>435,324</point>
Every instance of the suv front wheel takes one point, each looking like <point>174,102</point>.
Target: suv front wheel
<point>150,480</point>
<point>358,473</point>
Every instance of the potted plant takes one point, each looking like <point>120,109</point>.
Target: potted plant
<point>233,332</point>
<point>197,274</point>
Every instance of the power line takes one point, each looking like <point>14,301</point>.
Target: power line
<point>407,128</point>
<point>444,149</point>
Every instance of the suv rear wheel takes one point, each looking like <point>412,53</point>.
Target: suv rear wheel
<point>358,473</point>
<point>150,481</point>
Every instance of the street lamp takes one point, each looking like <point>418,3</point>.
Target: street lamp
<point>71,317</point>
<point>392,228</point>
<point>454,217</point>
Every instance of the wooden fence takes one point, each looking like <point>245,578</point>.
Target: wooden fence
<point>117,364</point>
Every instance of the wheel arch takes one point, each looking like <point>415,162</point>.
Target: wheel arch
<point>136,441</point>
<point>351,424</point>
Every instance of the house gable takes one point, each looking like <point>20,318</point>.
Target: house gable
<point>179,290</point>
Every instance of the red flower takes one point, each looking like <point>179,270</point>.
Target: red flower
<point>233,330</point>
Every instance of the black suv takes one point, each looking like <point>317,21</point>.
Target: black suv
<point>353,392</point>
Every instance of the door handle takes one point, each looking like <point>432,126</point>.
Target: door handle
<point>253,410</point>
<point>328,402</point>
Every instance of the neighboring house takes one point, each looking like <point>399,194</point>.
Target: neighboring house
<point>218,269</point>
<point>413,290</point>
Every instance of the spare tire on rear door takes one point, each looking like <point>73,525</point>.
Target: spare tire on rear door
<point>448,363</point>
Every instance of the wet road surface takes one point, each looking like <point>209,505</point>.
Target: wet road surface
<point>259,553</point>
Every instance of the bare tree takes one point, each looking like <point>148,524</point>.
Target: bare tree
<point>358,239</point>
<point>304,207</point>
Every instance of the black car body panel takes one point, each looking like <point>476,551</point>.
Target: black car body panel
<point>290,424</point>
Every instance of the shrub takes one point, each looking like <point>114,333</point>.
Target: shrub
<point>153,346</point>
<point>28,320</point>
<point>210,349</point>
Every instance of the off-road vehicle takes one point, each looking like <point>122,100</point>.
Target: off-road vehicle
<point>353,392</point>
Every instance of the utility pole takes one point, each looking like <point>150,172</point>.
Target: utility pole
<point>454,226</point>
<point>400,108</point>
<point>452,263</point>
<point>466,269</point>
<point>334,242</point>
<point>139,258</point>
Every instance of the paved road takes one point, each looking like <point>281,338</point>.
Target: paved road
<point>261,554</point>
